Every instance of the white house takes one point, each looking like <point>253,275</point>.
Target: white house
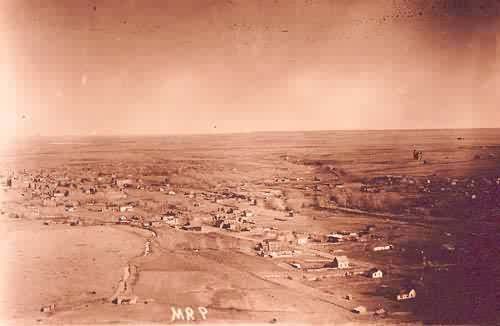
<point>247,214</point>
<point>123,220</point>
<point>126,208</point>
<point>341,262</point>
<point>383,248</point>
<point>124,182</point>
<point>375,273</point>
<point>301,241</point>
<point>406,295</point>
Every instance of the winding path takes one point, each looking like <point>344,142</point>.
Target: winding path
<point>123,293</point>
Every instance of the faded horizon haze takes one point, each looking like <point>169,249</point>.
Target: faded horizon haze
<point>179,67</point>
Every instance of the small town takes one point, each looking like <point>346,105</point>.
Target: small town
<point>316,228</point>
<point>250,162</point>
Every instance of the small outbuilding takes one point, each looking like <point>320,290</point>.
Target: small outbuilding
<point>334,237</point>
<point>48,309</point>
<point>302,240</point>
<point>122,220</point>
<point>359,310</point>
<point>448,247</point>
<point>375,273</point>
<point>126,208</point>
<point>406,295</point>
<point>197,228</point>
<point>246,213</point>
<point>122,183</point>
<point>383,248</point>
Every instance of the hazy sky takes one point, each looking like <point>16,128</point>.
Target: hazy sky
<point>185,66</point>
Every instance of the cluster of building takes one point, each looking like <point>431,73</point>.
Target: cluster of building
<point>362,235</point>
<point>282,244</point>
<point>218,197</point>
<point>169,217</point>
<point>57,190</point>
<point>57,184</point>
<point>233,220</point>
<point>430,184</point>
<point>401,295</point>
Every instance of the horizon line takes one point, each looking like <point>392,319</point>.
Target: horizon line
<point>249,132</point>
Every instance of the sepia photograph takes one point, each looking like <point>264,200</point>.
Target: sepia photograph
<point>249,162</point>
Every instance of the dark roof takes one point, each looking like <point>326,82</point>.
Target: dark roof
<point>341,259</point>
